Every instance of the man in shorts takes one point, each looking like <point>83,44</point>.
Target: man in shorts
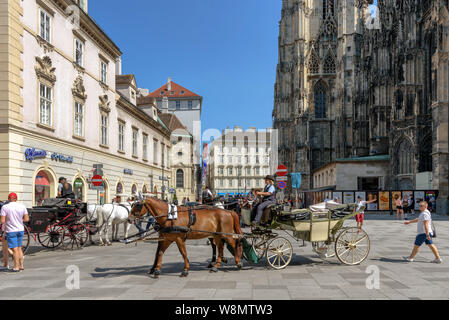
<point>425,233</point>
<point>361,215</point>
<point>13,215</point>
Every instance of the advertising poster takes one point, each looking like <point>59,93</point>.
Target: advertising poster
<point>393,198</point>
<point>431,200</point>
<point>348,197</point>
<point>361,194</point>
<point>337,196</point>
<point>384,201</point>
<point>370,197</point>
<point>409,195</point>
<point>419,196</point>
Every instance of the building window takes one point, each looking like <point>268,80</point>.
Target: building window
<point>329,64</point>
<point>79,49</point>
<point>79,116</point>
<point>178,105</point>
<point>104,129</point>
<point>163,155</point>
<point>135,143</point>
<point>145,147</point>
<point>230,182</point>
<point>405,158</point>
<point>220,171</point>
<point>45,25</point>
<point>179,178</point>
<point>190,105</point>
<point>121,136</point>
<point>103,71</point>
<point>45,105</point>
<point>320,101</point>
<point>155,151</point>
<point>256,171</point>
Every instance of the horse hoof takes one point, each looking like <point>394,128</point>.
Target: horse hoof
<point>185,273</point>
<point>239,266</point>
<point>224,260</point>
<point>109,244</point>
<point>156,274</point>
<point>101,244</point>
<point>151,271</point>
<point>213,269</point>
<point>210,265</point>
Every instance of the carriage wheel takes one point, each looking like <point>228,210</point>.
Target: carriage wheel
<point>75,236</point>
<point>352,246</point>
<point>323,249</point>
<point>259,245</point>
<point>52,238</point>
<point>279,253</point>
<point>26,240</point>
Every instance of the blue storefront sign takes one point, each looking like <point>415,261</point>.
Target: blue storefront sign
<point>31,154</point>
<point>127,171</point>
<point>60,157</point>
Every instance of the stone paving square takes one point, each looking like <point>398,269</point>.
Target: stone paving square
<point>120,272</point>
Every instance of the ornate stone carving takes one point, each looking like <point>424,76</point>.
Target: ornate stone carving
<point>104,103</point>
<point>78,89</point>
<point>44,70</point>
<point>44,45</point>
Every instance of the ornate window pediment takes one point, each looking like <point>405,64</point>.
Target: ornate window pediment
<point>44,70</point>
<point>78,89</point>
<point>104,103</point>
<point>314,62</point>
<point>329,64</point>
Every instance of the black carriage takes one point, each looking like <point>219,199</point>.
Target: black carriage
<point>57,222</point>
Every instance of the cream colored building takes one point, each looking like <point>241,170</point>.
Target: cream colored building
<point>65,107</point>
<point>239,160</point>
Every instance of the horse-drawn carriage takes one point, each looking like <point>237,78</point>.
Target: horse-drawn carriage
<point>57,222</point>
<point>322,225</point>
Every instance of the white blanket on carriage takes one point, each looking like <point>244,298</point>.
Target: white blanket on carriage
<point>324,206</point>
<point>172,212</point>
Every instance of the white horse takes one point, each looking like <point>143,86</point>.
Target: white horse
<point>112,215</point>
<point>92,216</point>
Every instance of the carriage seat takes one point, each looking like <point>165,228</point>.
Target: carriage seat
<point>268,213</point>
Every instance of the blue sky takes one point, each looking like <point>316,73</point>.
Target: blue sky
<point>223,50</point>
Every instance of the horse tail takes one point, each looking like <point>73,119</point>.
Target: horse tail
<point>99,217</point>
<point>236,219</point>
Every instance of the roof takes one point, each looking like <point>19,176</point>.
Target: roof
<point>176,89</point>
<point>362,159</point>
<point>172,121</point>
<point>145,100</point>
<point>126,79</point>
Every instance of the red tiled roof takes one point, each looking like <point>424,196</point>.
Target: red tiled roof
<point>172,121</point>
<point>176,89</point>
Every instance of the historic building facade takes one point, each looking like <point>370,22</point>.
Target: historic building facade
<point>238,160</point>
<point>349,85</point>
<point>65,107</point>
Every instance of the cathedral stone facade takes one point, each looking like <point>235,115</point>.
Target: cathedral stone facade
<point>350,84</point>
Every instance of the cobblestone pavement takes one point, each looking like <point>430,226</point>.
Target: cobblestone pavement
<point>119,272</point>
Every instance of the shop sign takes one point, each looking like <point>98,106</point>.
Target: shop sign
<point>60,157</point>
<point>127,171</point>
<point>31,154</point>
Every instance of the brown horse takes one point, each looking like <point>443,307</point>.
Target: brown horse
<point>210,222</point>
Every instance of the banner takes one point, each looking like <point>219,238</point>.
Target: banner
<point>348,197</point>
<point>384,201</point>
<point>360,194</point>
<point>296,180</point>
<point>370,197</point>
<point>394,195</point>
<point>337,197</point>
<point>419,196</point>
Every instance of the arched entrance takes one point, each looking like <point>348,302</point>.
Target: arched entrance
<point>144,189</point>
<point>43,186</point>
<point>155,192</point>
<point>118,192</point>
<point>134,190</point>
<point>104,194</point>
<point>79,189</point>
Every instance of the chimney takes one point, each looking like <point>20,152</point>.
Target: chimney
<point>169,84</point>
<point>118,66</point>
<point>164,105</point>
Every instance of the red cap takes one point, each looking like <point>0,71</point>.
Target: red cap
<point>12,195</point>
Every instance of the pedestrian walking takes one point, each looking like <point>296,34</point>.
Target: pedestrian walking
<point>359,217</point>
<point>399,208</point>
<point>13,215</point>
<point>425,233</point>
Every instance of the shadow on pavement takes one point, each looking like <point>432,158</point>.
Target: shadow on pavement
<point>396,260</point>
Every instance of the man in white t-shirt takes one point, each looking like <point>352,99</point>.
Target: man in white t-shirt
<point>13,215</point>
<point>425,233</point>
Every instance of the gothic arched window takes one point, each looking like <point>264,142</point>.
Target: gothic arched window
<point>179,178</point>
<point>329,64</point>
<point>320,101</point>
<point>404,159</point>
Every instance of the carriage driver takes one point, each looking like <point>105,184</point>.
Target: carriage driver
<point>268,197</point>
